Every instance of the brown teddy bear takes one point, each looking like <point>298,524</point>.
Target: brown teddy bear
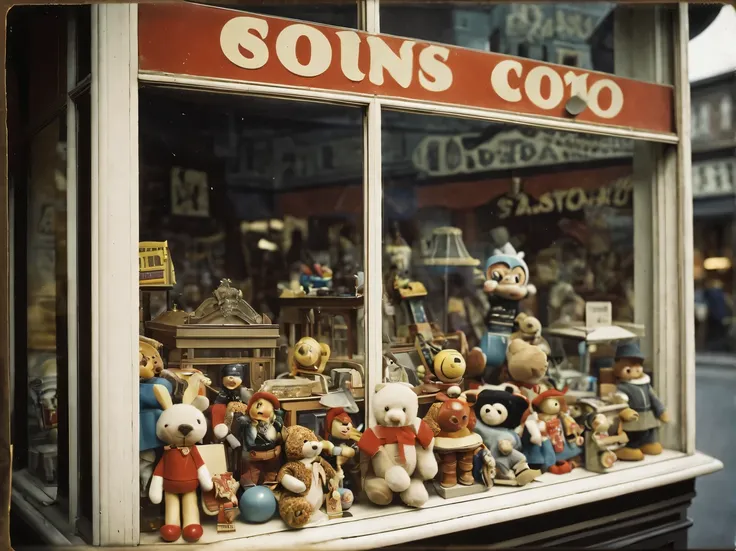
<point>526,367</point>
<point>530,330</point>
<point>304,477</point>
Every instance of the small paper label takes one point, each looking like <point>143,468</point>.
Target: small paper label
<point>598,314</point>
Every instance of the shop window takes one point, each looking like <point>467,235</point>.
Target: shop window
<point>543,28</point>
<point>338,13</point>
<point>254,209</point>
<point>563,200</point>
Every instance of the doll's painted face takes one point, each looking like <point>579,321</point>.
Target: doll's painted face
<point>341,428</point>
<point>231,382</point>
<point>262,410</point>
<point>628,369</point>
<point>506,282</point>
<point>550,406</point>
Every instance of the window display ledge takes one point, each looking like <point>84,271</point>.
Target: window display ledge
<point>39,512</point>
<point>372,527</point>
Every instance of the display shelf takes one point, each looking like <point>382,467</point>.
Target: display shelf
<point>372,526</point>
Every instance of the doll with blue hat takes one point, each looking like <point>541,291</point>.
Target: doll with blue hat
<point>646,412</point>
<point>507,284</point>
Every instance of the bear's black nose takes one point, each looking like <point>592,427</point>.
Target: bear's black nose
<point>301,350</point>
<point>314,446</point>
<point>457,360</point>
<point>185,429</point>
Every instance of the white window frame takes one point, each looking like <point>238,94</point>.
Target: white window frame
<point>115,204</point>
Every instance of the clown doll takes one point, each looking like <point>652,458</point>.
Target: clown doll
<point>261,430</point>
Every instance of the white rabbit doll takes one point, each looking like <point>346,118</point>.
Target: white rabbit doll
<point>181,469</point>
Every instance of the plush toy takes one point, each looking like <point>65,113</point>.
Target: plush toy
<point>645,412</point>
<point>500,413</point>
<point>530,330</point>
<point>398,454</point>
<point>561,435</point>
<point>261,427</point>
<point>181,470</point>
<point>526,368</point>
<point>507,284</point>
<point>452,421</point>
<point>304,477</point>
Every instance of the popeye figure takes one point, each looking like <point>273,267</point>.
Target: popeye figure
<point>507,284</point>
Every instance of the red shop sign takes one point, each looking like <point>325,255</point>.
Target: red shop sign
<point>211,42</point>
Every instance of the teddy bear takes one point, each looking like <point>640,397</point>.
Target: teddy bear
<point>397,455</point>
<point>526,367</point>
<point>500,413</point>
<point>303,478</point>
<point>181,469</point>
<point>530,330</point>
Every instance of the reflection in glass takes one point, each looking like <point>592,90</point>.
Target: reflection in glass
<point>456,191</point>
<point>46,296</point>
<point>578,34</point>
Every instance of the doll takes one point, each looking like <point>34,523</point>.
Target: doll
<point>507,284</point>
<point>181,469</point>
<point>645,412</point>
<point>343,437</point>
<point>499,413</point>
<point>232,392</point>
<point>559,438</point>
<point>261,427</point>
<point>150,365</point>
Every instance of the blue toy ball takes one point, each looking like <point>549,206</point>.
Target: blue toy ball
<point>257,505</point>
<point>346,498</point>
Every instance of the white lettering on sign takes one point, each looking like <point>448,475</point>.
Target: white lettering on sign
<point>242,40</point>
<point>434,75</point>
<point>400,67</point>
<point>320,52</point>
<point>576,86</point>
<point>236,34</point>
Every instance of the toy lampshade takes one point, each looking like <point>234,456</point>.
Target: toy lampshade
<point>447,249</point>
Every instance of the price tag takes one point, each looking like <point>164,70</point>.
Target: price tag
<point>598,314</point>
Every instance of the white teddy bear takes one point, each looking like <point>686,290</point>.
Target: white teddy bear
<point>397,454</point>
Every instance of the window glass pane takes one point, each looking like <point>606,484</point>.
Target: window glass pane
<point>46,334</point>
<point>338,13</point>
<point>259,204</point>
<point>456,191</point>
<point>578,34</point>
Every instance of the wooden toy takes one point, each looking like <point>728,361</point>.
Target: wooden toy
<point>261,429</point>
<point>344,438</point>
<point>452,422</point>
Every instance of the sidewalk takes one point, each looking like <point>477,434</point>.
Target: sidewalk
<point>715,359</point>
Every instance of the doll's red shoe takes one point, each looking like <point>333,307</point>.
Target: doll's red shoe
<point>170,532</point>
<point>193,532</point>
<point>563,467</point>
